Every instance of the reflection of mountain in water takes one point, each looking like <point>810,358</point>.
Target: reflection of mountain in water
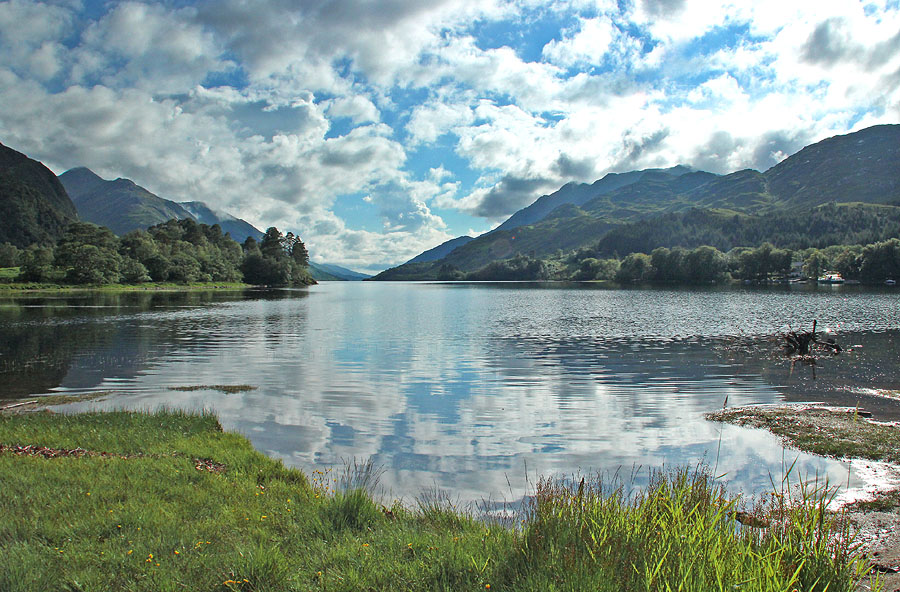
<point>35,358</point>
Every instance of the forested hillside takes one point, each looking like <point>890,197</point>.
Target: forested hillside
<point>843,190</point>
<point>34,206</point>
<point>177,251</point>
<point>120,205</point>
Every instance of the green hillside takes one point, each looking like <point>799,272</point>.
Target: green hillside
<point>863,166</point>
<point>819,227</point>
<point>321,275</point>
<point>659,207</point>
<point>34,206</point>
<point>120,205</point>
<point>238,229</point>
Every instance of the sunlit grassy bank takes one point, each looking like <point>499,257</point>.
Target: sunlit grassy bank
<point>14,287</point>
<point>168,501</point>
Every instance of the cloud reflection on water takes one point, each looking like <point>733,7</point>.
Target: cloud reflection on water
<point>472,389</point>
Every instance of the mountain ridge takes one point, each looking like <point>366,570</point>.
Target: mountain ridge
<point>861,166</point>
<point>442,250</point>
<point>332,272</point>
<point>122,206</point>
<point>34,205</point>
<point>578,194</point>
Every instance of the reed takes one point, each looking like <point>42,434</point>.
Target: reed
<point>176,503</point>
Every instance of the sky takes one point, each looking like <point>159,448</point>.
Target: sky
<point>378,129</point>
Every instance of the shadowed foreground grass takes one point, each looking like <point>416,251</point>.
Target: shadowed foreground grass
<point>151,515</point>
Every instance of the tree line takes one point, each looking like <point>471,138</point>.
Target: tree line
<point>869,264</point>
<point>820,227</point>
<point>177,251</point>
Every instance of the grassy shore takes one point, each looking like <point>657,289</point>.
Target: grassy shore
<point>168,501</point>
<point>840,433</point>
<point>9,285</point>
<point>826,431</point>
<point>16,287</point>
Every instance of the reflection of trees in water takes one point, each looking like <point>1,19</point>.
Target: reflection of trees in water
<point>34,358</point>
<point>82,338</point>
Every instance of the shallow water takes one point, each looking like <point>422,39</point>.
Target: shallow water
<point>476,389</point>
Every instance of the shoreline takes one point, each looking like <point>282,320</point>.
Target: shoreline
<point>206,495</point>
<point>844,433</point>
<point>852,434</point>
<point>26,288</point>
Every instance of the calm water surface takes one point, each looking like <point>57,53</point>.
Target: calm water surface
<point>473,389</point>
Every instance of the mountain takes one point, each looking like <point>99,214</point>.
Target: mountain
<point>123,206</point>
<point>34,205</point>
<point>863,167</point>
<point>329,272</point>
<point>580,193</point>
<point>320,275</point>
<point>441,251</point>
<point>569,194</point>
<point>237,228</point>
<point>819,227</point>
<point>120,205</point>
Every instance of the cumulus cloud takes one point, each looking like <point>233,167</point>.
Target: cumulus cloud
<point>431,120</point>
<point>828,43</point>
<point>272,109</point>
<point>588,45</point>
<point>330,240</point>
<point>356,107</point>
<point>147,46</point>
<point>30,36</point>
<point>382,40</point>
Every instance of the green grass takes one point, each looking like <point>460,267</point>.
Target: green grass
<point>49,400</point>
<point>820,431</point>
<point>149,286</point>
<point>7,274</point>
<point>228,389</point>
<point>144,517</point>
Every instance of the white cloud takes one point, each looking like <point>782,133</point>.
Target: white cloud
<point>329,239</point>
<point>147,46</point>
<point>321,99</point>
<point>382,40</point>
<point>29,36</point>
<point>431,120</point>
<point>586,46</point>
<point>357,107</point>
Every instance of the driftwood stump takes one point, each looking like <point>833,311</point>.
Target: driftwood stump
<point>801,343</point>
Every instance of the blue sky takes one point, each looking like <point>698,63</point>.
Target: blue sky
<point>377,130</point>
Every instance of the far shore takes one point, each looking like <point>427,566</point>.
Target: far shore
<point>18,287</point>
